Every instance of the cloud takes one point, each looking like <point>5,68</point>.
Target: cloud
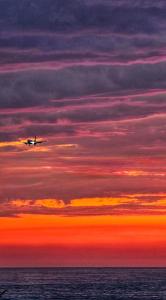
<point>29,49</point>
<point>129,204</point>
<point>74,15</point>
<point>32,88</point>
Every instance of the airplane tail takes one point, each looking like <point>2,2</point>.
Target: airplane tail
<point>35,138</point>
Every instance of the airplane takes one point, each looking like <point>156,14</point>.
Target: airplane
<point>33,142</point>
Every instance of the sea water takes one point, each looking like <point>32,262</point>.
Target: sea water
<point>83,283</point>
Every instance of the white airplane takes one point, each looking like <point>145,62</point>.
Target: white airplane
<point>33,142</point>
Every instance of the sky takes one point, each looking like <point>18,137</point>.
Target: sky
<point>89,78</point>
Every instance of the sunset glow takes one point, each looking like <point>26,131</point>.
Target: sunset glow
<point>89,79</point>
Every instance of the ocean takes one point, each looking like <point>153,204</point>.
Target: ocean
<point>83,283</point>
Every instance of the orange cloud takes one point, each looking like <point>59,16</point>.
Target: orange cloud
<point>13,143</point>
<point>132,204</point>
<point>95,202</point>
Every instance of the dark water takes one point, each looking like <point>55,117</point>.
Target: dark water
<point>84,283</point>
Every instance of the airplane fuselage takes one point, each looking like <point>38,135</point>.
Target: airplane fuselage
<point>33,142</point>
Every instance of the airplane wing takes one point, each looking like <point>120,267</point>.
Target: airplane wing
<point>41,142</point>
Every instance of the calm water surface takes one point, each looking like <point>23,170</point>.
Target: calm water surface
<point>84,283</point>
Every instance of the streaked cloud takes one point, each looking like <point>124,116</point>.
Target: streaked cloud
<point>134,204</point>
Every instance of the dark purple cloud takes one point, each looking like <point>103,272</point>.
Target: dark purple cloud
<point>61,15</point>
